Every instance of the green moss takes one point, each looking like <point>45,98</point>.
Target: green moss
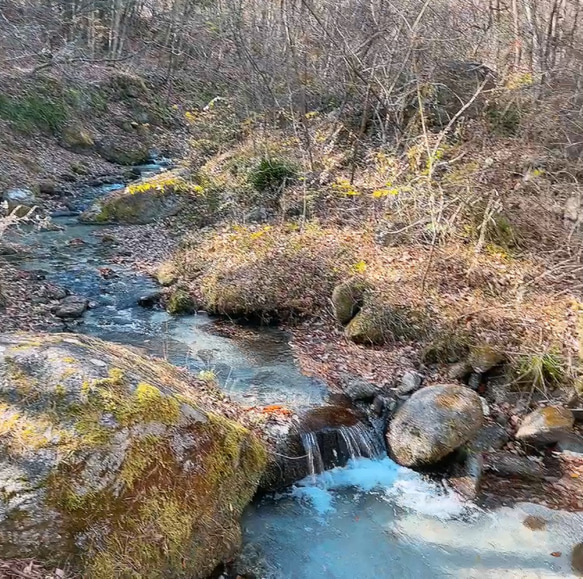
<point>31,112</point>
<point>141,456</point>
<point>448,349</point>
<point>378,324</point>
<point>181,302</point>
<point>149,404</point>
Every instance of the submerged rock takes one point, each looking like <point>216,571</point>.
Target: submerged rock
<point>433,423</point>
<point>546,425</point>
<point>150,300</point>
<point>120,464</point>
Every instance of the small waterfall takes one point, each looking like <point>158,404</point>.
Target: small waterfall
<point>361,441</point>
<point>314,456</point>
<point>334,446</point>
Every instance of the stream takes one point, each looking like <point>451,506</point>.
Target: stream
<point>371,519</point>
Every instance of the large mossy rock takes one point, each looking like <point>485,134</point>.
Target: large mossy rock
<point>378,323</point>
<point>347,299</point>
<point>76,138</point>
<point>123,151</point>
<point>143,202</point>
<point>433,423</point>
<point>123,465</point>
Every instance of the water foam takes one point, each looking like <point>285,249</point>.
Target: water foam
<point>396,484</point>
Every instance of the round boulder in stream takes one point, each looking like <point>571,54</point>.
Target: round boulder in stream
<point>433,423</point>
<point>123,465</point>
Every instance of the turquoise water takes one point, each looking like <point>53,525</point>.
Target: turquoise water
<point>375,519</point>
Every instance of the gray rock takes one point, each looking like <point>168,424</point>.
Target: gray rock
<point>546,425</point>
<point>490,437</point>
<point>54,292</point>
<point>571,442</point>
<point>506,464</point>
<point>357,388</point>
<point>72,307</point>
<point>460,370</point>
<point>434,422</point>
<point>410,382</point>
<point>150,300</point>
<point>257,215</point>
<point>19,197</point>
<point>467,477</point>
<point>475,381</point>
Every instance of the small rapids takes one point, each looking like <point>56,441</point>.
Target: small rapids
<point>375,519</point>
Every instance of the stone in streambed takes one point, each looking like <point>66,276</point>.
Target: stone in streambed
<point>507,464</point>
<point>19,198</point>
<point>410,382</point>
<point>546,425</point>
<point>434,422</point>
<point>72,307</point>
<point>357,388</point>
<point>150,300</point>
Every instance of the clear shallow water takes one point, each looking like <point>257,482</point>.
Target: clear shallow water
<point>256,369</point>
<point>375,519</point>
<point>372,519</point>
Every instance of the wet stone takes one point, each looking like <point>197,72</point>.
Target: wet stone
<point>72,307</point>
<point>506,464</point>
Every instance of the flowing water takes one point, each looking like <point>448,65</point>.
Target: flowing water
<point>370,519</point>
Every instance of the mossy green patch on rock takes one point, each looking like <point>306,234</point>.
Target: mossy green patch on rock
<point>379,323</point>
<point>181,302</point>
<point>146,201</point>
<point>347,299</point>
<point>133,460</point>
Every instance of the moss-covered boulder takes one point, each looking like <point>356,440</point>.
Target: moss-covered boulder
<point>181,302</point>
<point>433,423</point>
<point>142,202</point>
<point>379,323</point>
<point>347,299</point>
<point>122,465</point>
<point>128,151</point>
<point>76,138</point>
